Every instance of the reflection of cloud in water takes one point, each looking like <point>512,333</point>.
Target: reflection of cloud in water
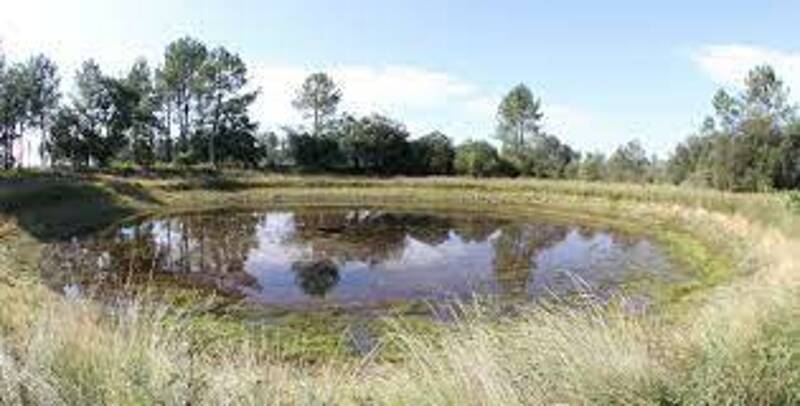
<point>452,252</point>
<point>277,227</point>
<point>595,258</point>
<point>379,255</point>
<point>419,268</point>
<point>271,261</point>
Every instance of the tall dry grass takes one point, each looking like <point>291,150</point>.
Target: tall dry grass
<point>736,343</point>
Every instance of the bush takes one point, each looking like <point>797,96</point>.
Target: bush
<point>479,159</point>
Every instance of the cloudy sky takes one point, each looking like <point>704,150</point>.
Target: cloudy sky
<point>607,72</point>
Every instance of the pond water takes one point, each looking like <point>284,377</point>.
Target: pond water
<point>355,257</point>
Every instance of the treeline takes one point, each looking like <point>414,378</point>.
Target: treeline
<point>750,143</point>
<point>193,109</point>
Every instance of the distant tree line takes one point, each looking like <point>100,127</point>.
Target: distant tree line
<point>193,108</point>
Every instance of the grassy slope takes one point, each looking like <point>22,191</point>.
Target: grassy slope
<point>734,341</point>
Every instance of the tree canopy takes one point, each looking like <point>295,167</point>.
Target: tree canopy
<point>193,107</point>
<point>318,99</point>
<point>750,142</point>
<point>518,120</point>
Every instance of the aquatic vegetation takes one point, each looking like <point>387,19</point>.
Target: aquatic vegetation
<point>732,340</point>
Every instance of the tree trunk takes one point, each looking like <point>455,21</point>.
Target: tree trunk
<point>6,150</point>
<point>316,122</point>
<point>168,134</point>
<point>214,130</point>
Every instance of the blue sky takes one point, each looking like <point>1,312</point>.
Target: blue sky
<point>607,72</point>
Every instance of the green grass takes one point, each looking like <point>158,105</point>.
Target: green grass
<point>730,337</point>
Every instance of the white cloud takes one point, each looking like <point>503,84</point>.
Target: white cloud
<point>584,130</point>
<point>728,64</point>
<point>423,98</point>
<point>115,33</point>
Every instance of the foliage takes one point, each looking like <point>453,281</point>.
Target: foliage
<point>478,159</point>
<point>592,167</point>
<point>629,163</point>
<point>432,154</point>
<point>750,143</point>
<point>546,157</point>
<point>375,145</point>
<point>313,153</point>
<point>193,108</point>
<point>318,99</point>
<point>29,96</point>
<point>519,120</point>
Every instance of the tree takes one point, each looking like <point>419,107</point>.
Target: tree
<point>593,167</point>
<point>433,154</point>
<point>43,91</point>
<point>748,143</point>
<point>14,109</point>
<point>766,97</point>
<point>224,75</point>
<point>519,120</point>
<point>628,163</point>
<point>269,146</point>
<point>375,144</point>
<point>67,142</point>
<point>106,111</point>
<point>477,159</point>
<point>688,162</point>
<point>546,157</point>
<point>145,122</point>
<point>312,153</point>
<point>318,99</point>
<point>236,132</point>
<point>183,63</point>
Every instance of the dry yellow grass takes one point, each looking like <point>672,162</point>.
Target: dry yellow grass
<point>737,342</point>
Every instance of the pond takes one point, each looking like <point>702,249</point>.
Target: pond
<point>355,257</point>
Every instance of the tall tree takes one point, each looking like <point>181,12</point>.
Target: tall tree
<point>765,96</point>
<point>747,144</point>
<point>223,76</point>
<point>236,132</point>
<point>145,123</point>
<point>519,120</point>
<point>66,142</point>
<point>183,63</point>
<point>43,92</point>
<point>318,99</point>
<point>14,109</point>
<point>106,108</point>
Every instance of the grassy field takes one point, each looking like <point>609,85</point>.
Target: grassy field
<point>732,336</point>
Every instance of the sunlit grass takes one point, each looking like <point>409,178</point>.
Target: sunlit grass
<point>736,340</point>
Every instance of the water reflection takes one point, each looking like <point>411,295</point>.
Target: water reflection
<point>353,257</point>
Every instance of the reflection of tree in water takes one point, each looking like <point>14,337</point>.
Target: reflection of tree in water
<point>220,243</point>
<point>128,257</point>
<point>515,253</point>
<point>587,233</point>
<point>477,229</point>
<point>316,278</point>
<point>213,249</point>
<point>366,235</point>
